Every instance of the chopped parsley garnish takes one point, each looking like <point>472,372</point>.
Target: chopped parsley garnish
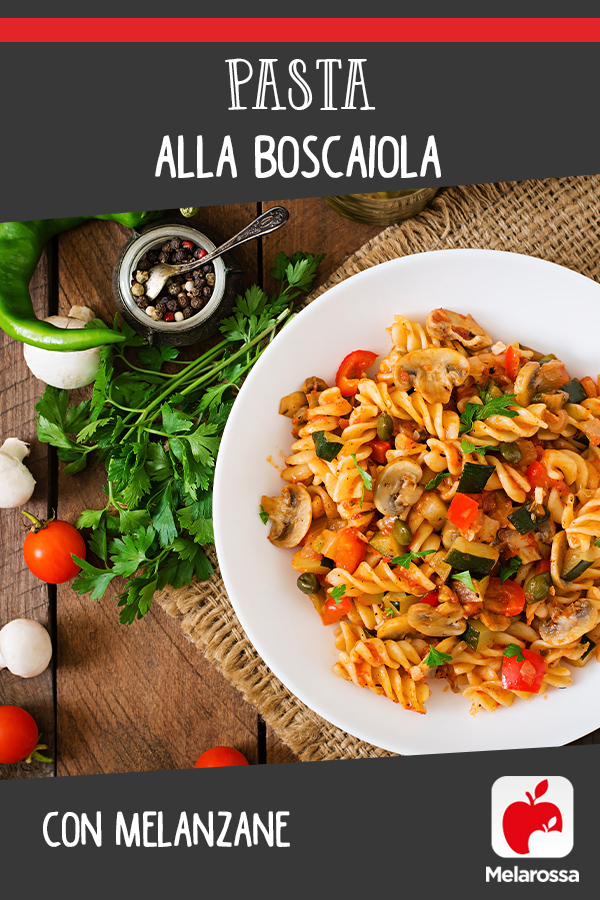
<point>406,558</point>
<point>338,592</point>
<point>510,568</point>
<point>465,578</point>
<point>367,481</point>
<point>264,515</point>
<point>467,447</point>
<point>491,406</point>
<point>515,650</point>
<point>435,658</point>
<point>436,480</point>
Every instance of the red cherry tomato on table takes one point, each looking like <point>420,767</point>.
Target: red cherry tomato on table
<point>525,674</point>
<point>352,369</point>
<point>47,551</point>
<point>18,734</point>
<point>220,756</point>
<point>506,599</point>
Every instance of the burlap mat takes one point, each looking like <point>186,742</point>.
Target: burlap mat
<point>557,220</point>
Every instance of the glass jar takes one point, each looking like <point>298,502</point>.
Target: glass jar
<point>204,323</point>
<point>384,208</point>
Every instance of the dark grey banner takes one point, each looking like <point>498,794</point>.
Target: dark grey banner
<point>96,128</point>
<point>426,825</point>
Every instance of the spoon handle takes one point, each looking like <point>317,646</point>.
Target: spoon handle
<point>267,222</point>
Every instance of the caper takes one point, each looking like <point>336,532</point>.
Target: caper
<point>510,451</point>
<point>308,583</point>
<point>401,533</point>
<point>538,587</point>
<point>385,427</point>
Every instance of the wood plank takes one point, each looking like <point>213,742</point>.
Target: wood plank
<point>139,697</point>
<point>23,595</point>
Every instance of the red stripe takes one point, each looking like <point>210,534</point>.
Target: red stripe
<point>298,30</point>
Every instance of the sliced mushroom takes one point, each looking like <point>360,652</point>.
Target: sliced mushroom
<point>292,403</point>
<point>314,384</point>
<point>397,487</point>
<point>447,325</point>
<point>290,514</point>
<point>567,625</point>
<point>394,629</point>
<point>525,383</point>
<point>433,371</point>
<point>437,621</point>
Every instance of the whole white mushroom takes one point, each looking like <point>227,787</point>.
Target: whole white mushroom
<point>70,369</point>
<point>25,648</point>
<point>16,481</point>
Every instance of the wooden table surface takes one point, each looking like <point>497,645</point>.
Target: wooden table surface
<point>118,698</point>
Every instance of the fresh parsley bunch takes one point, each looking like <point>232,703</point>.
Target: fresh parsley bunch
<point>157,433</point>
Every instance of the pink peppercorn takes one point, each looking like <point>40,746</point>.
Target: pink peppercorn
<point>168,317</point>
<point>188,245</point>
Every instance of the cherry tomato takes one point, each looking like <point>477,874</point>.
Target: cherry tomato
<point>380,448</point>
<point>18,734</point>
<point>349,550</point>
<point>334,611</point>
<point>506,599</point>
<point>47,551</point>
<point>352,369</point>
<point>511,362</point>
<point>220,756</point>
<point>432,598</point>
<point>525,674</point>
<point>463,511</point>
<point>537,475</point>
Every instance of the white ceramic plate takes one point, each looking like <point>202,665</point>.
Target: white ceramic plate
<point>513,297</point>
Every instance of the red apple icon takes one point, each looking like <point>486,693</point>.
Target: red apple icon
<point>521,819</point>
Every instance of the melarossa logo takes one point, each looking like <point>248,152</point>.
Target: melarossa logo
<point>532,816</point>
<point>517,874</point>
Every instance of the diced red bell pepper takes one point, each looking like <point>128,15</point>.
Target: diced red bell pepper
<point>507,599</point>
<point>349,550</point>
<point>542,565</point>
<point>537,475</point>
<point>379,449</point>
<point>352,369</point>
<point>525,674</point>
<point>511,362</point>
<point>432,598</point>
<point>463,511</point>
<point>333,610</point>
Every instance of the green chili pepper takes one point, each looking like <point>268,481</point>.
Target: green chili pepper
<point>21,246</point>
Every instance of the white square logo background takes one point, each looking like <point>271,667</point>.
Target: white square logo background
<point>533,819</point>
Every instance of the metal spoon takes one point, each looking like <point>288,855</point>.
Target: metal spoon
<point>269,221</point>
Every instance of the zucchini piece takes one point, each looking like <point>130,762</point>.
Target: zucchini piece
<point>472,556</point>
<point>401,602</point>
<point>525,519</point>
<point>325,447</point>
<point>386,545</point>
<point>577,563</point>
<point>586,639</point>
<point>575,390</point>
<point>474,477</point>
<point>477,635</point>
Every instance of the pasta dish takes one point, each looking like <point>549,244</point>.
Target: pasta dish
<point>445,514</point>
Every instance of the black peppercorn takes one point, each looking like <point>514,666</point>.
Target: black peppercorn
<point>172,305</point>
<point>183,301</point>
<point>187,312</point>
<point>196,303</point>
<point>206,291</point>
